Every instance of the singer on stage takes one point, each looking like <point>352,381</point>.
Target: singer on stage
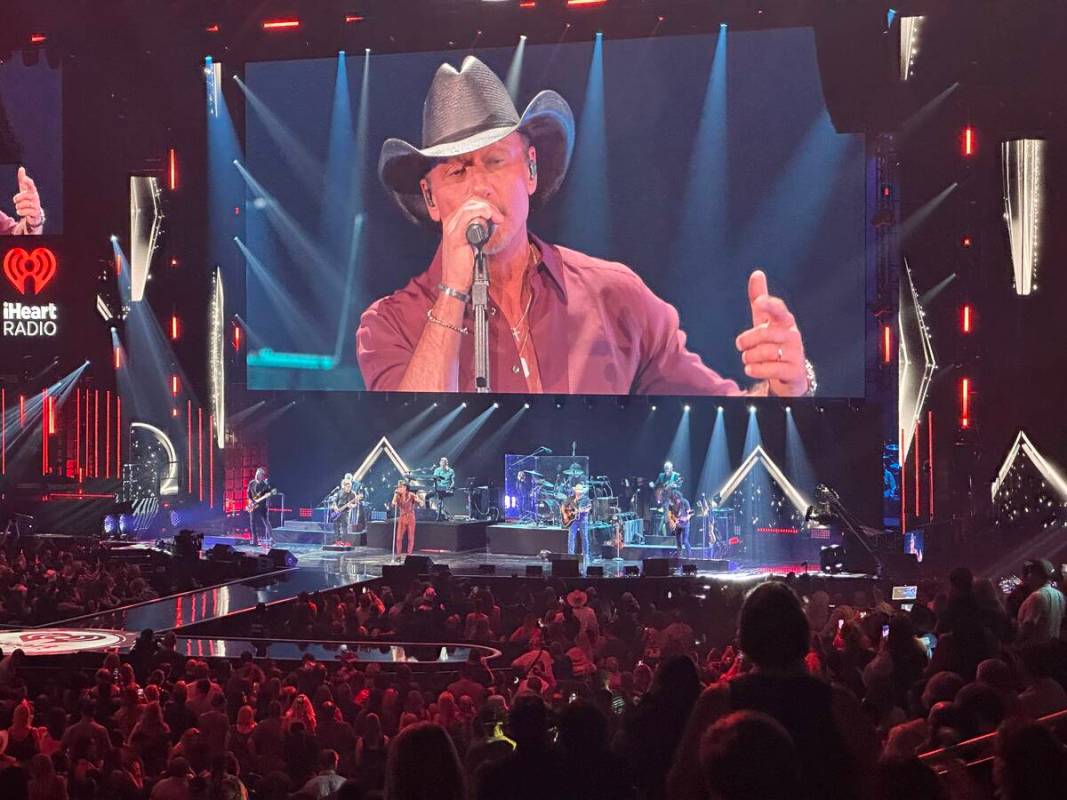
<point>560,321</point>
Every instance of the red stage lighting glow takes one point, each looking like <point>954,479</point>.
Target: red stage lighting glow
<point>887,344</point>
<point>107,433</point>
<point>174,328</point>
<point>967,319</point>
<point>118,357</point>
<point>212,28</point>
<point>965,402</point>
<point>349,19</point>
<point>280,24</point>
<point>236,337</point>
<point>576,3</point>
<point>175,385</point>
<point>970,141</point>
<point>966,241</point>
<point>38,38</point>
<point>172,169</point>
<point>528,4</point>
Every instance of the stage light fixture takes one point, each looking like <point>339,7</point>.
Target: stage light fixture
<point>751,409</point>
<point>653,408</point>
<point>832,559</point>
<point>217,358</point>
<point>967,318</point>
<point>685,407</point>
<point>281,24</point>
<point>968,142</point>
<point>914,377</point>
<point>719,409</point>
<point>1023,173</point>
<point>911,29</point>
<point>525,405</point>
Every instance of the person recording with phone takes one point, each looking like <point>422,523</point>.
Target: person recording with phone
<point>559,321</point>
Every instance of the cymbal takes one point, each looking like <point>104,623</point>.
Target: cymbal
<point>531,472</point>
<point>574,472</point>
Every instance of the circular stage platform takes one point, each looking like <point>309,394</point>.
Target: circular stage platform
<point>61,641</point>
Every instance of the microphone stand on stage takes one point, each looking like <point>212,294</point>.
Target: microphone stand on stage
<point>477,236</point>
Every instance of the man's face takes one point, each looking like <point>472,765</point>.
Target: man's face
<point>444,463</point>
<point>668,468</point>
<point>498,174</point>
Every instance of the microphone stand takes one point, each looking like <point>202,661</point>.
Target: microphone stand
<point>480,303</point>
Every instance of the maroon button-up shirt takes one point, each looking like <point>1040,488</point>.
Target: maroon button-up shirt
<point>595,326</point>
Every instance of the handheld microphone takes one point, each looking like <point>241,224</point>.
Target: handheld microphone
<point>478,232</point>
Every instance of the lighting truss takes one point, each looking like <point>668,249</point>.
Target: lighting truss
<point>910,40</point>
<point>169,483</point>
<point>217,358</point>
<point>759,456</point>
<point>213,85</point>
<point>1023,170</point>
<point>146,221</point>
<point>1023,446</point>
<point>915,376</point>
<point>384,447</point>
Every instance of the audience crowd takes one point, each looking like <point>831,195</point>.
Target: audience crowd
<point>50,584</point>
<point>796,692</point>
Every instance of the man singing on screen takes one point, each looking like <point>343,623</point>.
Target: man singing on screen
<point>561,322</point>
<point>27,207</point>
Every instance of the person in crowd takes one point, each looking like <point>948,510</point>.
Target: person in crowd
<point>836,744</point>
<point>1030,763</point>
<point>747,755</point>
<point>423,765</point>
<point>1041,614</point>
<point>326,783</point>
<point>534,770</point>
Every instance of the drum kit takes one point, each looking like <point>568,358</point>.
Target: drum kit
<point>546,498</point>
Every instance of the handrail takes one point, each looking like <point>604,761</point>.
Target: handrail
<point>937,759</point>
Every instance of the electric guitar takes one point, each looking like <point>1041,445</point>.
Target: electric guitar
<point>250,506</point>
<point>674,520</point>
<point>569,512</point>
<point>337,511</point>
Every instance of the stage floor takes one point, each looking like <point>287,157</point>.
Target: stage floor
<point>364,563</point>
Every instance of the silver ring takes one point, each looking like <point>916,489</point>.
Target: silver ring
<point>780,354</point>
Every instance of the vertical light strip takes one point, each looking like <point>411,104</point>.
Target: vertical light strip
<point>189,442</point>
<point>918,473</point>
<point>910,30</point>
<point>217,358</point>
<point>118,436</point>
<point>77,433</point>
<point>211,462</point>
<point>3,430</point>
<point>96,433</point>
<point>930,458</point>
<point>44,432</point>
<point>903,489</point>
<point>200,449</point>
<point>107,433</point>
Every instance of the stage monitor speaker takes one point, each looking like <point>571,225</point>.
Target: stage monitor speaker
<point>282,559</point>
<point>487,569</point>
<point>656,567</point>
<point>535,571</point>
<point>423,565</point>
<point>689,569</point>
<point>565,568</point>
<point>221,552</point>
<point>631,571</point>
<point>594,572</point>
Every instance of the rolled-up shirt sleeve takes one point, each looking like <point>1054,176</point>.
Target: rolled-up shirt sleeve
<point>667,367</point>
<point>382,348</point>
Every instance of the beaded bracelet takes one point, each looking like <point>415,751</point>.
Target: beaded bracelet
<point>443,324</point>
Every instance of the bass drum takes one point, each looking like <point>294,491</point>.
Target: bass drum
<point>548,511</point>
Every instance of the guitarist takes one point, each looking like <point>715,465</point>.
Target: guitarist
<point>679,513</point>
<point>257,511</point>
<point>343,503</point>
<point>575,511</point>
